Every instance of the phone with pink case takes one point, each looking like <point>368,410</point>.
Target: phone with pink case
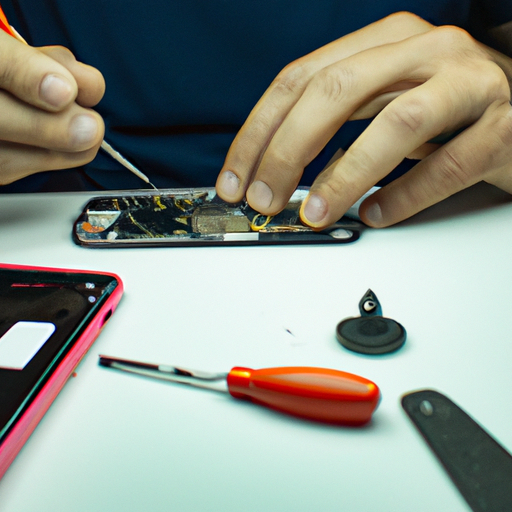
<point>49,318</point>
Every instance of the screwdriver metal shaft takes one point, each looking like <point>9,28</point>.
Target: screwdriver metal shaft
<point>319,394</point>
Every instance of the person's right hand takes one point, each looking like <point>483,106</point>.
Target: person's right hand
<point>46,121</point>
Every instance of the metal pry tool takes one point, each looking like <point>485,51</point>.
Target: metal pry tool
<point>318,394</point>
<point>124,162</point>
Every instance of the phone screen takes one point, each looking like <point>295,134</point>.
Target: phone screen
<point>42,314</point>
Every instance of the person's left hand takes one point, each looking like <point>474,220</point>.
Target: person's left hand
<point>419,81</point>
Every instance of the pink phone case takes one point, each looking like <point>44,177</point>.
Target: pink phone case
<point>27,422</point>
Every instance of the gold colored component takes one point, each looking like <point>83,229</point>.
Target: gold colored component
<point>158,202</point>
<point>214,219</point>
<point>182,220</point>
<point>140,226</point>
<point>259,227</point>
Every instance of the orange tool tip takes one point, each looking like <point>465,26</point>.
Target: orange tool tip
<point>4,24</point>
<point>318,394</point>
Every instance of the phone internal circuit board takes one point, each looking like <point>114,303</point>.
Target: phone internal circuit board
<point>186,216</point>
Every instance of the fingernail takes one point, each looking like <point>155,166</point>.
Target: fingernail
<point>315,209</point>
<point>260,195</point>
<point>229,184</point>
<point>55,91</point>
<point>373,214</point>
<point>84,130</point>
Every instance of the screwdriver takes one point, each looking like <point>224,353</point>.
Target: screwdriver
<point>6,27</point>
<point>319,394</point>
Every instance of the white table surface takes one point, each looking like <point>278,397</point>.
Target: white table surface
<point>112,441</point>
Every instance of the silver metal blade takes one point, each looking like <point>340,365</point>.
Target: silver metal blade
<point>200,379</point>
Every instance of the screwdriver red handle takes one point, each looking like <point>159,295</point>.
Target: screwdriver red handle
<point>318,394</point>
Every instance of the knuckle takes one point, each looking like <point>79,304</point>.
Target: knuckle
<point>333,82</point>
<point>261,124</point>
<point>405,19</point>
<point>293,78</point>
<point>452,173</point>
<point>460,54</point>
<point>457,47</point>
<point>282,162</point>
<point>453,38</point>
<point>335,185</point>
<point>410,116</point>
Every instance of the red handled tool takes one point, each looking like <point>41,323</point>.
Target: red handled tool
<point>318,394</point>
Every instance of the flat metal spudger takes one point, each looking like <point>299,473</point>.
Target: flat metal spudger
<point>318,394</point>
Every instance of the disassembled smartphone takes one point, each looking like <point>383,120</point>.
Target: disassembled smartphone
<point>185,217</point>
<point>48,320</point>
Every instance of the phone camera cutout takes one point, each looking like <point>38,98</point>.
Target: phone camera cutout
<point>90,286</point>
<point>92,299</point>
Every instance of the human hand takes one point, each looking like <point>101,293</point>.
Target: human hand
<point>419,81</point>
<point>45,100</point>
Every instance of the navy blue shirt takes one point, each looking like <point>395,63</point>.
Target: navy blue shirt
<point>183,76</point>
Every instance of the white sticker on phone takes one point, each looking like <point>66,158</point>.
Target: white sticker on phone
<point>22,342</point>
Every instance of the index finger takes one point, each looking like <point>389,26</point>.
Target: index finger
<point>33,77</point>
<point>90,81</point>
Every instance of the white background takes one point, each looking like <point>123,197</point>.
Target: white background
<point>112,441</point>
